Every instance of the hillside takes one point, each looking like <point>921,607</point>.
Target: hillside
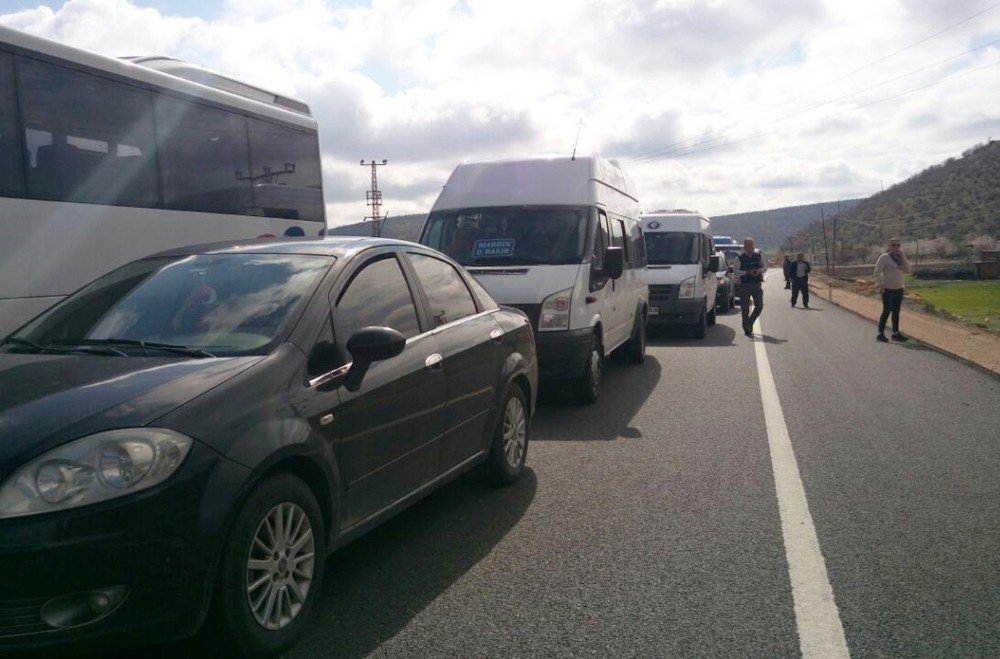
<point>770,228</point>
<point>402,227</point>
<point>951,204</point>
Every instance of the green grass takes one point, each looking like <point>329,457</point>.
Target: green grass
<point>972,301</point>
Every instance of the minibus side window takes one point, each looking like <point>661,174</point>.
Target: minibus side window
<point>602,241</point>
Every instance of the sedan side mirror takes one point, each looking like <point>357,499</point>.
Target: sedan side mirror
<point>368,345</point>
<point>614,262</point>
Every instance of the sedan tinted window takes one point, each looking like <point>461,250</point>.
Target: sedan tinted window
<point>448,295</point>
<point>377,295</point>
<point>225,304</point>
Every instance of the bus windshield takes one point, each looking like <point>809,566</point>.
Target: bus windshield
<point>671,248</point>
<point>510,235</point>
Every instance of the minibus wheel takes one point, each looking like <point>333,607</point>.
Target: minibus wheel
<point>590,381</point>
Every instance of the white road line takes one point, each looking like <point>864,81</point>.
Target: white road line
<point>821,634</point>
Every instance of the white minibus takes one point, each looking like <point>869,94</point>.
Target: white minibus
<point>558,238</point>
<point>682,269</point>
<point>106,160</point>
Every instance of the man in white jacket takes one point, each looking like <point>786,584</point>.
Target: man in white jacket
<point>889,269</point>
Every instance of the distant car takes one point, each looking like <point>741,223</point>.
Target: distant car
<point>730,252</point>
<point>725,294</point>
<point>196,431</point>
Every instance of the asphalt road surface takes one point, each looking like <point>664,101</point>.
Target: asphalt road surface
<point>650,524</point>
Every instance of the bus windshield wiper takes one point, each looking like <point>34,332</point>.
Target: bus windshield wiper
<point>147,345</point>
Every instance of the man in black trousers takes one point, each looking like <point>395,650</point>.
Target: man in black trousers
<point>749,266</point>
<point>800,270</point>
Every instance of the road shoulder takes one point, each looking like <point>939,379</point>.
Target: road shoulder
<point>975,347</point>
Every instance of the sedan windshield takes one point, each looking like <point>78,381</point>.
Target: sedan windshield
<point>195,306</point>
<point>510,235</point>
<point>671,247</point>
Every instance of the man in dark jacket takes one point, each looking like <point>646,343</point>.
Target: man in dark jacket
<point>749,266</point>
<point>799,270</point>
<point>787,268</point>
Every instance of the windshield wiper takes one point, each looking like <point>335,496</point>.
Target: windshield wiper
<point>16,340</point>
<point>187,351</point>
<point>102,350</point>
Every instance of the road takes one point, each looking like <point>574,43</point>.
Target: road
<point>649,524</point>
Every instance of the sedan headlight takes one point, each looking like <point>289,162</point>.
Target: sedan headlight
<point>555,311</point>
<point>687,288</point>
<point>95,468</point>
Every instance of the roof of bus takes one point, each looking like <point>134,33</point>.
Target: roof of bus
<point>167,73</point>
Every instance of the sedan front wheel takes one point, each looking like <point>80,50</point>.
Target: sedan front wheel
<point>272,568</point>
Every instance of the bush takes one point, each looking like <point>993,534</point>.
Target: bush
<point>945,272</point>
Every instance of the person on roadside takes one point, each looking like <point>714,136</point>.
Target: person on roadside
<point>889,270</point>
<point>749,266</point>
<point>799,270</point>
<point>787,269</point>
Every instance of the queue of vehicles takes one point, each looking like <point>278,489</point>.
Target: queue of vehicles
<point>189,436</point>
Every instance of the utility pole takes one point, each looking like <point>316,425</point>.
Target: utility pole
<point>374,197</point>
<point>826,251</point>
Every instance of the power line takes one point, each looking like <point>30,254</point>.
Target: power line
<point>681,152</point>
<point>670,147</point>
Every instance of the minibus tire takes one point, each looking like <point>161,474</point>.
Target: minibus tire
<point>589,382</point>
<point>699,329</point>
<point>635,348</point>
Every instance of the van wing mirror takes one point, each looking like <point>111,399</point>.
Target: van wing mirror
<point>714,262</point>
<point>614,262</point>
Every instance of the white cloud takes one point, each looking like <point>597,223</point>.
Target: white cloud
<point>723,105</point>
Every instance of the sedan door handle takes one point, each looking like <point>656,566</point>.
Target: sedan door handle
<point>497,335</point>
<point>434,362</point>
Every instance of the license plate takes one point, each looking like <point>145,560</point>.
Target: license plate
<point>654,311</point>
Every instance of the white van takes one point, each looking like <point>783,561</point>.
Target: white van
<point>682,269</point>
<point>558,238</point>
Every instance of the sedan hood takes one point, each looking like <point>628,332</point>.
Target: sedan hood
<point>46,400</point>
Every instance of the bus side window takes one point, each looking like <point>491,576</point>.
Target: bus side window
<point>11,181</point>
<point>201,149</point>
<point>93,137</point>
<point>285,172</point>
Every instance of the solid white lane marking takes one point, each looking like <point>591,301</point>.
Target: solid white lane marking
<point>821,633</point>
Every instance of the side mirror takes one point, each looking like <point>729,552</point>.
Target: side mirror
<point>368,345</point>
<point>614,262</point>
<point>713,263</point>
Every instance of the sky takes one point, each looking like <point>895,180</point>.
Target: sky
<point>723,106</point>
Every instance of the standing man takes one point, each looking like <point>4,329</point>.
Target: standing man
<point>750,267</point>
<point>800,269</point>
<point>889,269</point>
<point>787,268</point>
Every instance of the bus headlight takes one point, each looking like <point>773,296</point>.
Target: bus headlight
<point>555,311</point>
<point>686,289</point>
<point>95,468</point>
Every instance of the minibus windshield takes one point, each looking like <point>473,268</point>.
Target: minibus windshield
<point>671,247</point>
<point>510,235</point>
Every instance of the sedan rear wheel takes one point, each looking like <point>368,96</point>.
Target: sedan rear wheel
<point>510,440</point>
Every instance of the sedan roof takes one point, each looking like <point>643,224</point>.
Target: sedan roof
<point>329,246</point>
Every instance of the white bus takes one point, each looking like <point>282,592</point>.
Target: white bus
<point>106,160</point>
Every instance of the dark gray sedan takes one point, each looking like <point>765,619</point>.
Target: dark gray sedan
<point>192,434</point>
